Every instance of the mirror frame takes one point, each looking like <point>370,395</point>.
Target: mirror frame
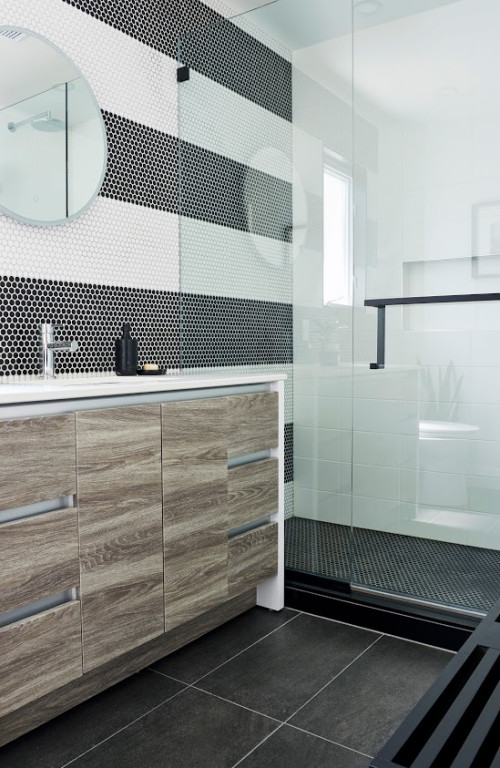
<point>73,216</point>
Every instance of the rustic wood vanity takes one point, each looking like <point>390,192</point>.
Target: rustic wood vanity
<point>134,517</point>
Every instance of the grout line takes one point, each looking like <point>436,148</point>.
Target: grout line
<point>382,634</point>
<point>124,728</point>
<point>345,623</point>
<point>419,642</point>
<point>235,703</point>
<point>323,738</point>
<point>169,677</point>
<point>292,618</point>
<point>333,678</point>
<point>258,745</point>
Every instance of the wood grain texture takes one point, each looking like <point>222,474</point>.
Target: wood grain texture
<point>120,522</point>
<point>53,704</point>
<point>252,491</point>
<point>39,557</point>
<point>253,557</point>
<point>253,423</point>
<point>194,435</point>
<point>37,459</point>
<point>39,654</point>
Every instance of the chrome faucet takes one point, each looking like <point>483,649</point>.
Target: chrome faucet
<point>47,348</point>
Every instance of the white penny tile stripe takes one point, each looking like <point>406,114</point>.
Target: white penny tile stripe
<point>222,261</point>
<point>113,243</point>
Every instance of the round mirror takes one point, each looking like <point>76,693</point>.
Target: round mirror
<point>52,135</point>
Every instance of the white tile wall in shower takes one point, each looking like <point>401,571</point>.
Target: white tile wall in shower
<point>313,473</point>
<point>379,482</point>
<point>376,449</point>
<point>315,504</point>
<point>318,443</point>
<point>379,514</point>
<point>317,412</point>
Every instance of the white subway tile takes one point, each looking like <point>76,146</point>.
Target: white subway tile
<point>377,416</point>
<point>317,443</point>
<point>314,473</point>
<point>376,482</point>
<point>377,449</point>
<point>323,412</point>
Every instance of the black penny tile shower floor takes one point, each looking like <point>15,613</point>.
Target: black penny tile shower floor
<point>444,573</point>
<point>266,690</point>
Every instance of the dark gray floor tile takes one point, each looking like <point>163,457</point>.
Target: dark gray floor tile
<point>289,748</point>
<point>207,653</point>
<point>279,673</point>
<point>67,736</point>
<point>194,730</point>
<point>366,703</point>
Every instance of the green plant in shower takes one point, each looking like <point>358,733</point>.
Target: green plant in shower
<point>442,395</point>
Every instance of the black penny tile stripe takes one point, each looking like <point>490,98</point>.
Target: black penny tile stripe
<point>215,331</point>
<point>142,164</point>
<point>157,23</point>
<point>216,48</point>
<point>89,313</point>
<point>236,60</point>
<point>220,331</point>
<point>222,191</point>
<point>143,168</point>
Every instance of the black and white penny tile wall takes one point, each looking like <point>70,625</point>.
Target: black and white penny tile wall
<point>190,237</point>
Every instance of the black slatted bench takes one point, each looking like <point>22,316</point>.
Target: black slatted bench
<point>457,723</point>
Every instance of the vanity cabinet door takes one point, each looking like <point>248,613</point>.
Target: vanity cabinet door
<point>252,491</point>
<point>194,435</point>
<point>39,557</point>
<point>253,423</point>
<point>39,654</point>
<point>37,459</point>
<point>120,524</point>
<point>253,557</point>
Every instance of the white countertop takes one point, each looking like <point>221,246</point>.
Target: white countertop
<point>33,390</point>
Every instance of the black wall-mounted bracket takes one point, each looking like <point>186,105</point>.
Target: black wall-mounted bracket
<point>381,304</point>
<point>182,74</point>
<point>380,339</point>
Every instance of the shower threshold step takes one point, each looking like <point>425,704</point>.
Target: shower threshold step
<point>433,571</point>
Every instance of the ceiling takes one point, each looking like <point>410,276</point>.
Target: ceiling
<point>301,23</point>
<point>421,59</point>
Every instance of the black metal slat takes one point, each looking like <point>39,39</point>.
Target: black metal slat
<point>418,725</point>
<point>496,761</point>
<point>450,725</point>
<point>472,751</point>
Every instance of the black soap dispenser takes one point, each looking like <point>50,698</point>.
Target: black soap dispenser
<point>126,353</point>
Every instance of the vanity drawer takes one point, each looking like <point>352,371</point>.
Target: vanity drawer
<point>39,654</point>
<point>252,423</point>
<point>253,557</point>
<point>39,557</point>
<point>37,459</point>
<point>252,491</point>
